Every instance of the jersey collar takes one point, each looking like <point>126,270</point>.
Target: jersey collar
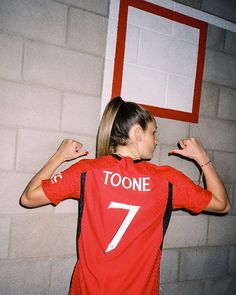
<point>120,157</point>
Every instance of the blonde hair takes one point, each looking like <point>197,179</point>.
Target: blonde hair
<point>119,116</point>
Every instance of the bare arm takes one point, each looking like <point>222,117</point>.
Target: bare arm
<point>33,195</point>
<point>193,149</point>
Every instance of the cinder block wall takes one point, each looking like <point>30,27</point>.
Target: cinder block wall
<point>51,57</point>
<point>200,251</point>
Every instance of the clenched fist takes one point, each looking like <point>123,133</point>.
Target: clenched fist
<point>70,149</point>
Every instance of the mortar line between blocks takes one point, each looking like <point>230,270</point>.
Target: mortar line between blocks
<point>67,26</point>
<point>62,98</point>
<point>22,59</point>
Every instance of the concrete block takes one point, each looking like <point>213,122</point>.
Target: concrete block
<point>114,10</point>
<point>232,260</point>
<point>43,235</point>
<point>183,288</point>
<point>10,194</point>
<point>209,99</point>
<point>203,263</point>
<point>230,42</point>
<point>222,286</point>
<point>171,131</point>
<point>140,84</point>
<point>87,32</point>
<point>180,212</point>
<point>215,134</point>
<point>62,68</point>
<point>191,169</point>
<point>170,160</point>
<point>8,148</point>
<point>186,33</point>
<point>81,114</point>
<point>25,277</point>
<point>191,3</point>
<point>192,12</point>
<point>215,38</point>
<point>230,26</point>
<point>131,44</point>
<point>149,21</point>
<point>225,166</point>
<point>111,39</point>
<point>23,105</point>
<point>67,206</point>
<point>98,6</point>
<point>43,20</point>
<point>220,68</point>
<point>61,275</point>
<point>45,144</point>
<point>186,231</point>
<point>169,266</point>
<point>10,56</point>
<point>152,49</point>
<point>182,58</point>
<point>227,104</point>
<point>217,7</point>
<point>5,226</point>
<point>222,230</point>
<point>179,93</point>
<point>216,21</point>
<point>102,7</point>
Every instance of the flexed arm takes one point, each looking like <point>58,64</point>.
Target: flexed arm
<point>193,149</point>
<point>33,195</point>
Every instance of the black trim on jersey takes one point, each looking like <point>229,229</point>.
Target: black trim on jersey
<point>81,206</point>
<point>168,211</point>
<point>119,157</point>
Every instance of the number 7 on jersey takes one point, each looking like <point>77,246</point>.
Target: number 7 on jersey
<point>125,224</point>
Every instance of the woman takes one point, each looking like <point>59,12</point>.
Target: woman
<point>125,201</point>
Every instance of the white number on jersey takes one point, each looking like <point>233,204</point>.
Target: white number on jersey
<point>125,224</point>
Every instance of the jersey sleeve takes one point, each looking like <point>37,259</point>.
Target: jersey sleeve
<point>65,184</point>
<point>187,195</point>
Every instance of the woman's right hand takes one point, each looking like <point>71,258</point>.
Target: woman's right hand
<point>70,149</point>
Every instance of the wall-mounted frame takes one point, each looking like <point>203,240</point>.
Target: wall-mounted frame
<point>189,116</point>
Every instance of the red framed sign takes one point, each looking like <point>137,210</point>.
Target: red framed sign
<point>120,56</point>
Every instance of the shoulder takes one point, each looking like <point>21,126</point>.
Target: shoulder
<point>85,165</point>
<point>153,168</point>
<point>164,171</point>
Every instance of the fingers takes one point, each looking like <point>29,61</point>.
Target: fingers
<point>71,149</point>
<point>178,152</point>
<point>78,151</point>
<point>190,148</point>
<point>182,144</point>
<point>188,141</point>
<point>78,146</point>
<point>81,153</point>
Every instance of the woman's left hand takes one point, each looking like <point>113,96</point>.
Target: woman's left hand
<point>193,149</point>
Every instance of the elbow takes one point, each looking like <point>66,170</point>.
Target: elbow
<point>25,200</point>
<point>224,207</point>
<point>219,204</point>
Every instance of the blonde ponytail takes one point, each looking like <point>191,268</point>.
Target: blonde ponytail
<point>104,132</point>
<point>117,119</point>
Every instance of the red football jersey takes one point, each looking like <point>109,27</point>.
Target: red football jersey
<point>125,207</point>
